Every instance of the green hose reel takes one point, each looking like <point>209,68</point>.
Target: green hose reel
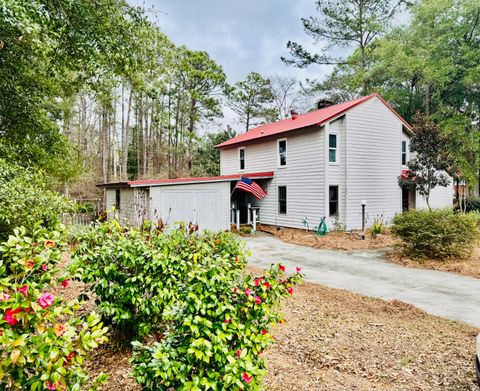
<point>322,228</point>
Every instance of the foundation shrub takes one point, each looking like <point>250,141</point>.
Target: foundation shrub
<point>438,233</point>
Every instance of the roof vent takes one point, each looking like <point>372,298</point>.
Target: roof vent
<point>294,114</point>
<point>322,103</point>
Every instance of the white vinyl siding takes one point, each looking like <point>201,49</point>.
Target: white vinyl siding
<point>303,176</point>
<point>374,137</point>
<point>440,197</point>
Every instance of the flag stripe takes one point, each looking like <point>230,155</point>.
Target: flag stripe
<point>250,186</point>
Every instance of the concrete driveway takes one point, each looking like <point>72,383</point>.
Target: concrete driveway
<point>366,272</point>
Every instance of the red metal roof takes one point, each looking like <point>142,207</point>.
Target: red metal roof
<point>317,117</point>
<point>221,178</point>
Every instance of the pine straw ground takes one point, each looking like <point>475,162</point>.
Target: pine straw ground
<point>336,340</point>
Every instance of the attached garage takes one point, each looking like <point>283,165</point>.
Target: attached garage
<point>204,201</point>
<point>205,204</point>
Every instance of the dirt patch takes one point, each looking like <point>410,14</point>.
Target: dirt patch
<point>333,240</point>
<point>467,267</point>
<point>336,340</point>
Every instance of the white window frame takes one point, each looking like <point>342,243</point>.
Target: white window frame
<point>406,152</point>
<point>278,153</point>
<point>337,138</point>
<point>244,159</point>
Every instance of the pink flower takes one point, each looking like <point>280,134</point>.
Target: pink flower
<point>24,290</point>
<point>46,300</point>
<point>258,300</point>
<point>239,353</point>
<point>44,267</point>
<point>247,379</point>
<point>266,285</point>
<point>282,268</point>
<point>257,282</point>
<point>4,296</point>
<point>299,269</point>
<point>248,291</point>
<point>10,316</point>
<point>65,283</point>
<point>51,386</point>
<point>263,332</point>
<point>290,291</point>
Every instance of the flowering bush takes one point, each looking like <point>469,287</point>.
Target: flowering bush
<point>209,319</point>
<point>42,342</point>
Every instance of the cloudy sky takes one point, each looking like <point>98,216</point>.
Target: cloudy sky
<point>242,36</point>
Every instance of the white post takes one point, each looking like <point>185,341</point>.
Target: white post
<point>238,219</point>
<point>249,206</point>
<point>254,220</point>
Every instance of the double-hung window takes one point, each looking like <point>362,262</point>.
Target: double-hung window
<point>332,148</point>
<point>241,158</point>
<point>282,199</point>
<point>404,153</point>
<point>282,152</point>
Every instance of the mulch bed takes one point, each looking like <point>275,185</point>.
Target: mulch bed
<point>337,340</point>
<point>467,267</point>
<point>333,240</point>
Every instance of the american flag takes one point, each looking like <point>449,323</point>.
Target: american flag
<point>251,187</point>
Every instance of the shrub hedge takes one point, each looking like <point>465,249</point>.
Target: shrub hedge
<point>42,342</point>
<point>438,233</point>
<point>207,319</point>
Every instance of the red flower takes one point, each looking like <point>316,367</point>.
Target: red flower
<point>51,386</point>
<point>236,259</point>
<point>68,359</point>
<point>65,283</point>
<point>228,320</point>
<point>10,316</point>
<point>258,300</point>
<point>248,291</point>
<point>266,285</point>
<point>282,268</point>
<point>24,290</point>
<point>290,291</point>
<point>257,282</point>
<point>299,269</point>
<point>247,379</point>
<point>239,353</point>
<point>235,289</point>
<point>46,300</point>
<point>263,332</point>
<point>44,267</point>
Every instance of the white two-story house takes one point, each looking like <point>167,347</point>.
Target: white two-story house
<point>320,164</point>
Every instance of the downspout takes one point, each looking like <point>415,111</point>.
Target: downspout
<point>346,171</point>
<point>325,149</point>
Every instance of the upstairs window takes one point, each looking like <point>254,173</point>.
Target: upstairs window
<point>404,153</point>
<point>332,148</point>
<point>282,200</point>
<point>282,152</point>
<point>333,200</point>
<point>241,158</point>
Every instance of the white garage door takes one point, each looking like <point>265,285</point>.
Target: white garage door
<point>207,205</point>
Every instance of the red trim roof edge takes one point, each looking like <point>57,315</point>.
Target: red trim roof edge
<point>220,178</point>
<point>229,143</point>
